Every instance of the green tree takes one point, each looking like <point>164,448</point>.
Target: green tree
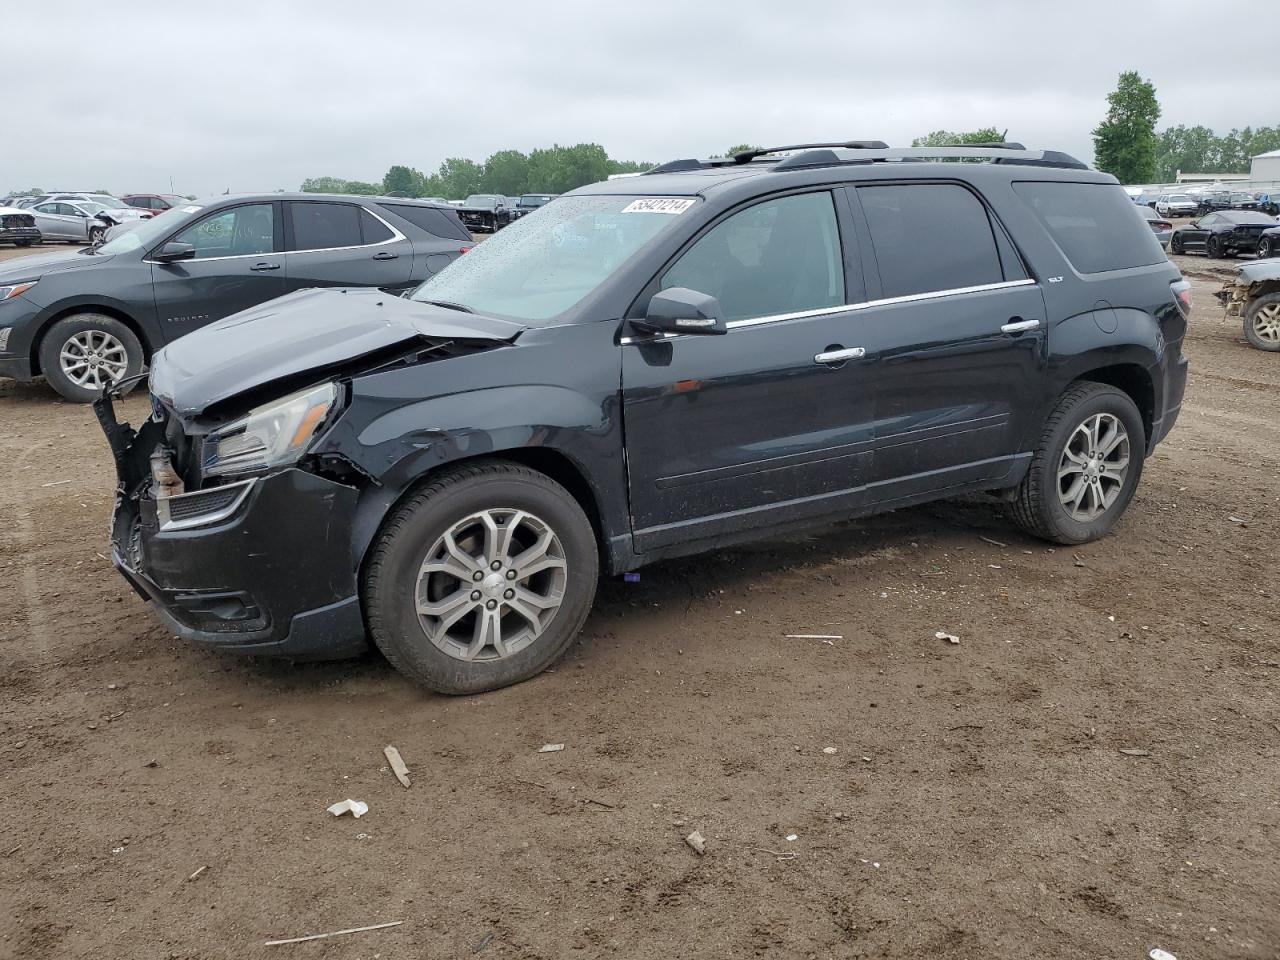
<point>404,181</point>
<point>629,166</point>
<point>942,138</point>
<point>507,173</point>
<point>361,188</point>
<point>1124,143</point>
<point>459,178</point>
<point>323,185</point>
<point>740,148</point>
<point>1191,149</point>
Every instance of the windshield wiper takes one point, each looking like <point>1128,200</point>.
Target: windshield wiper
<point>449,305</point>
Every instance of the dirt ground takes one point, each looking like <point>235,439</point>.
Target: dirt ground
<point>162,802</point>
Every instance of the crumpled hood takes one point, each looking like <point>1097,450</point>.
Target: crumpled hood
<point>303,331</point>
<point>1259,270</point>
<point>36,265</point>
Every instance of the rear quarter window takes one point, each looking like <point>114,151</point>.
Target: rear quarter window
<point>1093,224</point>
<point>440,223</point>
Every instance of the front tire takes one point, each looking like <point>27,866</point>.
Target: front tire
<point>81,353</point>
<point>1262,323</point>
<point>1086,467</point>
<point>1264,248</point>
<point>1212,247</point>
<point>482,579</point>
<point>1175,244</point>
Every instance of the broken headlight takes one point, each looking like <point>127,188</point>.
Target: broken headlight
<point>273,435</point>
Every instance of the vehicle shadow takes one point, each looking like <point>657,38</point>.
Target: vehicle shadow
<point>944,524</point>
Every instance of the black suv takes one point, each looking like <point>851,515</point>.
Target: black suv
<point>652,366</point>
<point>87,317</point>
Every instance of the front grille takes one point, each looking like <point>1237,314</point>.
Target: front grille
<point>16,221</point>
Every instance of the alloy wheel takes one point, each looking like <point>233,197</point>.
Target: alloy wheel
<point>93,358</point>
<point>1266,322</point>
<point>491,584</point>
<point>1093,467</point>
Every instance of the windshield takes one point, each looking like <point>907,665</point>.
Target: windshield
<point>108,202</point>
<point>534,199</point>
<point>539,267</point>
<point>481,200</point>
<point>148,231</point>
<point>1179,198</point>
<point>88,206</point>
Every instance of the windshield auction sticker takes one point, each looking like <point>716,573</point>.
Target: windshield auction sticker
<point>671,205</point>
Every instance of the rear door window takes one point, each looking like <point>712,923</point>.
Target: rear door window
<point>930,237</point>
<point>1091,224</point>
<point>324,226</point>
<point>372,229</point>
<point>777,257</point>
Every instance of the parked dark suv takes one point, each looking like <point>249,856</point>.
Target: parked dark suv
<point>651,366</point>
<point>86,317</point>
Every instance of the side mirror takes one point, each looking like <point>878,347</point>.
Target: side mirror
<point>174,250</point>
<point>681,310</point>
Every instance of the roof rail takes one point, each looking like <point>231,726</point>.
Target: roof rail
<point>875,151</point>
<point>1002,153</point>
<point>746,156</point>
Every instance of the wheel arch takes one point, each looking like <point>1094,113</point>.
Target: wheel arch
<point>1134,381</point>
<point>91,307</point>
<point>377,504</point>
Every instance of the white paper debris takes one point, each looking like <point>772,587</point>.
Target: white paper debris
<point>551,748</point>
<point>830,751</point>
<point>696,842</point>
<point>792,837</point>
<point>949,637</point>
<point>357,808</point>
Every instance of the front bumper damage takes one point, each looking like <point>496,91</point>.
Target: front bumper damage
<point>261,566</point>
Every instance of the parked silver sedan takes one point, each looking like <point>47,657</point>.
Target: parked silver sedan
<point>78,222</point>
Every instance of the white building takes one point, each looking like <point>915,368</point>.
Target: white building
<point>1266,167</point>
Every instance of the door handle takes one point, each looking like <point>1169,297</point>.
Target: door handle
<point>839,356</point>
<point>1017,325</point>
<point>265,266</point>
<point>384,255</point>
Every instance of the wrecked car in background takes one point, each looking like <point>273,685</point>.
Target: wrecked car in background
<point>486,212</point>
<point>18,227</point>
<point>1254,295</point>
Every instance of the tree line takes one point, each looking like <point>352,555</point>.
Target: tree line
<point>553,169</point>
<point>1126,143</point>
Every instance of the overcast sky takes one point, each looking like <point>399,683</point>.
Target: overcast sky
<point>259,95</point>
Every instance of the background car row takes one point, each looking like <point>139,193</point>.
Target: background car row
<point>82,318</point>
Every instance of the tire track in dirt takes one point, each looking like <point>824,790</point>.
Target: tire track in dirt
<point>22,537</point>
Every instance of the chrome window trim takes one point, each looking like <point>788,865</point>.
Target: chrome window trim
<point>848,308</point>
<point>204,519</point>
<point>396,237</point>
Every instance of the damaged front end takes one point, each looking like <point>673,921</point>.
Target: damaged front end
<point>1252,280</point>
<point>226,517</point>
<point>251,564</point>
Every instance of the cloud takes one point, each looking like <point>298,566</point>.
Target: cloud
<point>256,96</point>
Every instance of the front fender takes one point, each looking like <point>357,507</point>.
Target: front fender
<point>403,424</point>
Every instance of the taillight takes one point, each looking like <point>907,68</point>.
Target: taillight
<point>1182,296</point>
<point>463,249</point>
<point>1162,225</point>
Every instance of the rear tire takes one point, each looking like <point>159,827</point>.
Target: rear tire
<point>1262,323</point>
<point>1264,248</point>
<point>1212,247</point>
<point>1043,503</point>
<point>79,353</point>
<point>430,623</point>
<point>1175,244</point>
